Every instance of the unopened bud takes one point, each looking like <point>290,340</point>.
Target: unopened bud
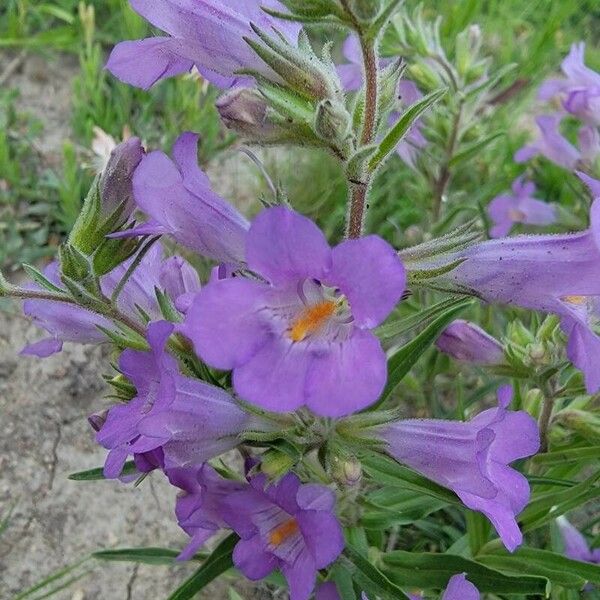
<point>332,121</point>
<point>519,334</point>
<point>116,189</point>
<point>244,111</point>
<point>275,464</point>
<point>109,203</point>
<point>347,471</point>
<point>537,354</point>
<point>467,342</point>
<point>73,264</point>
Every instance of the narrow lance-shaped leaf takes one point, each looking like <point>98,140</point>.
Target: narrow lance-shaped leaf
<point>472,150</point>
<point>216,564</point>
<point>147,556</point>
<point>401,127</point>
<point>405,358</point>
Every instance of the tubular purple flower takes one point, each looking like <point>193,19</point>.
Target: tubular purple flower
<point>69,323</point>
<point>519,207</point>
<point>579,91</point>
<point>467,342</point>
<point>198,507</point>
<point>551,144</point>
<point>301,336</point>
<point>472,459</point>
<point>207,34</point>
<point>179,200</point>
<point>116,190</point>
<point>557,274</point>
<point>286,526</point>
<point>187,419</point>
<point>576,546</point>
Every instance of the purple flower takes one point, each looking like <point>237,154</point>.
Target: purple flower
<point>467,342</point>
<point>199,506</point>
<point>351,73</point>
<point>460,589</point>
<point>207,34</point>
<point>179,200</point>
<point>519,207</point>
<point>551,144</point>
<point>286,526</point>
<point>472,459</point>
<point>187,419</point>
<point>557,274</point>
<point>69,323</point>
<point>580,91</point>
<point>301,336</point>
<point>576,546</point>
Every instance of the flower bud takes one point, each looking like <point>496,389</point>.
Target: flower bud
<point>116,190</point>
<point>532,402</point>
<point>97,420</point>
<point>275,464</point>
<point>110,201</point>
<point>346,470</point>
<point>467,342</point>
<point>332,121</point>
<point>244,111</point>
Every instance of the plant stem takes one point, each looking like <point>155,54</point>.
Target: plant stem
<point>360,189</point>
<point>544,420</point>
<point>443,180</point>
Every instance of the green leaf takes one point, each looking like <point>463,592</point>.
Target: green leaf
<point>368,577</point>
<point>427,570</point>
<point>401,127</point>
<point>559,569</point>
<point>472,150</point>
<point>387,471</point>
<point>560,457</point>
<point>147,556</point>
<point>394,329</point>
<point>98,475</point>
<point>41,279</point>
<point>216,564</point>
<point>547,506</point>
<point>405,358</point>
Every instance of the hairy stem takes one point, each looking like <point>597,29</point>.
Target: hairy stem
<point>359,189</point>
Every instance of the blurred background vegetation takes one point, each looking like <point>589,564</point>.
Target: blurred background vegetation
<point>40,195</point>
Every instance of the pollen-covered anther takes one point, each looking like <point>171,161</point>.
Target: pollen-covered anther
<point>283,532</point>
<point>311,320</point>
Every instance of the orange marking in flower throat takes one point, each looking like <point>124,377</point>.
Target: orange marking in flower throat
<point>311,319</point>
<point>577,300</point>
<point>283,532</point>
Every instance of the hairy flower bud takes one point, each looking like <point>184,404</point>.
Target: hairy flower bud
<point>244,111</point>
<point>346,470</point>
<point>109,203</point>
<point>332,121</point>
<point>467,342</point>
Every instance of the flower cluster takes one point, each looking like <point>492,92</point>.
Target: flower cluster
<point>279,348</point>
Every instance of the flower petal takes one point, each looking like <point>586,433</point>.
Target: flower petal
<point>283,245</point>
<point>252,560</point>
<point>460,589</point>
<point>142,63</point>
<point>346,376</point>
<point>224,324</point>
<point>371,275</point>
<point>323,536</point>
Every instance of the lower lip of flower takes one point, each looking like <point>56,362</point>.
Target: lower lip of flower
<point>311,320</point>
<point>283,532</point>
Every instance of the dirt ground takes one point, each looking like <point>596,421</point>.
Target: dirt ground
<point>45,436</point>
